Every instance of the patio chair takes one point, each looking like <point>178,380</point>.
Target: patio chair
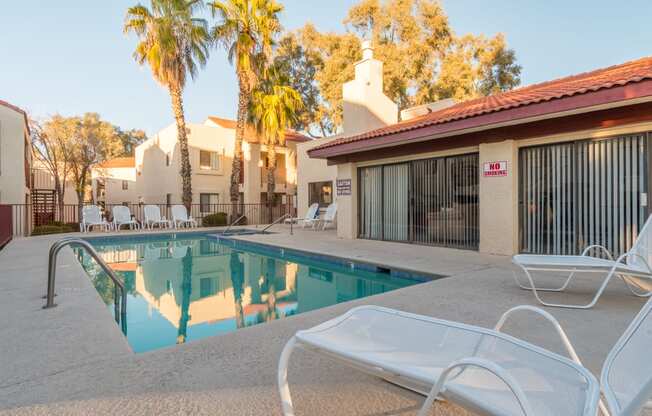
<point>329,217</point>
<point>632,267</point>
<point>92,217</point>
<point>122,216</point>
<point>311,214</point>
<point>153,217</point>
<point>180,217</point>
<point>482,370</point>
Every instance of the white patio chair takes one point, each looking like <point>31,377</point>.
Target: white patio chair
<point>122,216</point>
<point>330,216</point>
<point>92,217</point>
<point>180,217</point>
<point>153,217</point>
<point>485,371</point>
<point>633,267</point>
<point>311,214</point>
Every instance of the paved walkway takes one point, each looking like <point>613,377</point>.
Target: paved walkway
<point>74,360</point>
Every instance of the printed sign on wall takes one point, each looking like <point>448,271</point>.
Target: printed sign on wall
<point>343,187</point>
<point>495,169</point>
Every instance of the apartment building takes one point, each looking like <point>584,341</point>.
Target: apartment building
<point>15,155</point>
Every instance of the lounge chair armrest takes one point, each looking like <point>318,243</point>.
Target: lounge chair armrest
<point>598,246</point>
<point>555,323</point>
<point>482,364</point>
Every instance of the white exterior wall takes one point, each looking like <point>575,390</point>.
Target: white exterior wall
<point>14,188</point>
<point>113,179</point>
<point>312,170</point>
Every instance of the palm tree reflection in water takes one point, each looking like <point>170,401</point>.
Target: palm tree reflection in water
<point>237,281</point>
<point>186,291</point>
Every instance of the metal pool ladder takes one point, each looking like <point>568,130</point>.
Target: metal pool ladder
<point>120,307</point>
<point>279,219</point>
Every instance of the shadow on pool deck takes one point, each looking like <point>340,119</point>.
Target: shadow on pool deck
<point>73,359</point>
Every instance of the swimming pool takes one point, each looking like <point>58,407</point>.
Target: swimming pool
<point>187,286</point>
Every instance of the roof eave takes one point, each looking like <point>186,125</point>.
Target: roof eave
<point>581,103</point>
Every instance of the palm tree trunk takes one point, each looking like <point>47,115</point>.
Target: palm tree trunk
<point>186,170</point>
<point>271,179</point>
<point>241,125</point>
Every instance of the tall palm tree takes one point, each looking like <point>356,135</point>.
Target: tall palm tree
<point>246,29</point>
<point>274,108</point>
<point>173,42</point>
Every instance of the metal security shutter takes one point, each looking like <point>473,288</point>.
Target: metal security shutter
<point>431,201</point>
<point>581,193</point>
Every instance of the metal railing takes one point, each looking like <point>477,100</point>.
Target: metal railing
<point>281,218</point>
<point>234,223</point>
<point>120,307</point>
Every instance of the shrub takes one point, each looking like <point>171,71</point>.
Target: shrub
<point>52,229</point>
<point>215,220</point>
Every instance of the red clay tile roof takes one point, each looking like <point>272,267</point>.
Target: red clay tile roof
<point>118,162</point>
<point>614,76</point>
<point>231,124</point>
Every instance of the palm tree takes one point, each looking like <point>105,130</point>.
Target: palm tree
<point>274,108</point>
<point>173,42</point>
<point>246,29</point>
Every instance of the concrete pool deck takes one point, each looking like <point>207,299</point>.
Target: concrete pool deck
<point>73,359</point>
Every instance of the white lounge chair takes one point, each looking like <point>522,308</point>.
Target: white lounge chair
<point>122,216</point>
<point>483,370</point>
<point>311,215</point>
<point>180,217</point>
<point>92,217</point>
<point>153,217</point>
<point>330,216</point>
<point>633,267</point>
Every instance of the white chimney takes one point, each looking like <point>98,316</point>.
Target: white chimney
<point>365,105</point>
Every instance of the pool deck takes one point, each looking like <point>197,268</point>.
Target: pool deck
<point>74,360</point>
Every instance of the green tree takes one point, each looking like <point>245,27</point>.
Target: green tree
<point>246,29</point>
<point>173,42</point>
<point>424,60</point>
<point>130,139</point>
<point>274,108</point>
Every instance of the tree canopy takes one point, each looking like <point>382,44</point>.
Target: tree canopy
<point>424,60</point>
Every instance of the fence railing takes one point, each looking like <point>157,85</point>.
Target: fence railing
<point>27,216</point>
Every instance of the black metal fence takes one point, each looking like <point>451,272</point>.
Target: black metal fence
<point>27,216</point>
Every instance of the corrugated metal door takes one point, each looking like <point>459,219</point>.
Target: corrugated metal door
<point>581,193</point>
<point>431,201</point>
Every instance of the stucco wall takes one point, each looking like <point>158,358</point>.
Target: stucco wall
<point>13,186</point>
<point>113,178</point>
<point>311,170</point>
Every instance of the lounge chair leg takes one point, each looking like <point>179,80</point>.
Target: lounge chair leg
<point>283,388</point>
<point>542,289</point>
<point>634,291</point>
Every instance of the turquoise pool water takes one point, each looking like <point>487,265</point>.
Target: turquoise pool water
<point>187,287</point>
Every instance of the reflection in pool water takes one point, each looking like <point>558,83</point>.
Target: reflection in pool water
<point>186,289</point>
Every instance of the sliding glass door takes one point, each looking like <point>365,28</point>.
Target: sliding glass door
<point>430,201</point>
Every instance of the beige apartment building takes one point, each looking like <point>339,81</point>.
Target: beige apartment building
<point>114,181</point>
<point>15,155</point>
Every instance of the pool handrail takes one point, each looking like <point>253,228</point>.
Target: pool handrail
<point>120,308</point>
<point>279,219</point>
<point>233,223</point>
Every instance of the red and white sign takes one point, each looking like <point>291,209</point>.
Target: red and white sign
<point>495,169</point>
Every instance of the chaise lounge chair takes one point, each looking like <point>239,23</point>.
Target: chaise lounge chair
<point>330,216</point>
<point>311,214</point>
<point>92,217</point>
<point>180,217</point>
<point>122,216</point>
<point>482,370</point>
<point>153,218</point>
<point>633,267</point>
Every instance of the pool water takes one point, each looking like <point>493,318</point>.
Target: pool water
<point>187,287</point>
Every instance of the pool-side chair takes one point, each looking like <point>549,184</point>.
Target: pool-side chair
<point>92,217</point>
<point>122,216</point>
<point>330,216</point>
<point>153,217</point>
<point>311,214</point>
<point>180,217</point>
<point>632,267</point>
<point>485,371</point>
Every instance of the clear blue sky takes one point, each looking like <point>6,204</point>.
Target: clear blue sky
<point>70,56</point>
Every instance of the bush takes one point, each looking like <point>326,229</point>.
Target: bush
<point>52,229</point>
<point>215,220</point>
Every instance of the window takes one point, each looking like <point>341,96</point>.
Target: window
<point>321,193</point>
<point>207,286</point>
<point>168,199</point>
<point>125,185</point>
<point>207,201</point>
<point>167,159</point>
<point>209,160</point>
